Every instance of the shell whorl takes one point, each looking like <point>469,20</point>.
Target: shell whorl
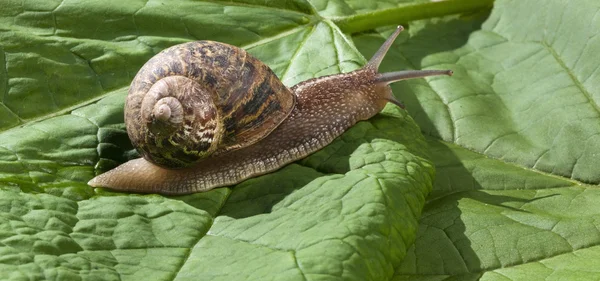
<point>180,121</point>
<point>201,98</point>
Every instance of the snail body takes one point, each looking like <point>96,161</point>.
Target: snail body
<point>280,127</point>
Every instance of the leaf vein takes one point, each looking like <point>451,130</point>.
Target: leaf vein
<point>212,221</point>
<point>577,83</point>
<point>576,182</point>
<point>297,52</point>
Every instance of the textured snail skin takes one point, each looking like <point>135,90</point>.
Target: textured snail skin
<point>325,107</point>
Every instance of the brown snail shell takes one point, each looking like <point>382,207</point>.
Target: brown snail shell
<point>201,98</point>
<point>321,109</point>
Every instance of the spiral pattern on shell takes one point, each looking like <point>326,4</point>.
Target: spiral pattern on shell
<point>203,98</point>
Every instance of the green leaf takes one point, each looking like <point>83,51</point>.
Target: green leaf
<point>513,136</point>
<point>514,139</point>
<point>521,92</point>
<point>348,211</point>
<point>299,221</point>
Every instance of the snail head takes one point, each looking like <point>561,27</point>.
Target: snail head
<point>382,80</point>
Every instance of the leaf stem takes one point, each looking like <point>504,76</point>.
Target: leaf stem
<point>406,13</point>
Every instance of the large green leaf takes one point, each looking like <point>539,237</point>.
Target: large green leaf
<point>513,136</point>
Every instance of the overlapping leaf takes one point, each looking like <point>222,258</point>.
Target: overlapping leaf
<point>514,139</point>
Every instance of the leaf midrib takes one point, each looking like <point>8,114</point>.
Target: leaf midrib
<point>25,122</point>
<point>256,6</point>
<point>406,13</point>
<point>577,83</point>
<point>202,235</point>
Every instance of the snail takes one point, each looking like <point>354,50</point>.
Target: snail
<point>207,114</point>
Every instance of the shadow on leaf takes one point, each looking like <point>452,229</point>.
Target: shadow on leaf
<point>259,195</point>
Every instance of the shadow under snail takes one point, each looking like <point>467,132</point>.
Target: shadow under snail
<point>207,114</point>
